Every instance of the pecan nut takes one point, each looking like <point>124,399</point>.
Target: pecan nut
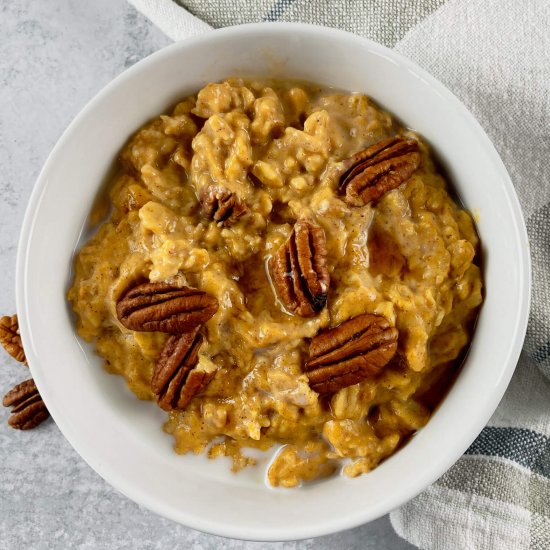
<point>371,173</point>
<point>163,307</point>
<point>176,380</point>
<point>350,352</point>
<point>221,205</point>
<point>11,339</point>
<point>28,408</point>
<point>299,270</point>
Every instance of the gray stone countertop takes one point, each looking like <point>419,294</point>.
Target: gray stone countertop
<point>54,57</point>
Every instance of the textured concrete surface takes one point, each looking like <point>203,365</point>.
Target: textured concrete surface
<point>53,58</point>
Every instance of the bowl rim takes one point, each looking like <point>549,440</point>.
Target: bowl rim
<point>78,441</point>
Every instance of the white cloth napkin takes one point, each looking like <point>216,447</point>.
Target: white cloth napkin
<point>495,56</point>
<point>176,22</point>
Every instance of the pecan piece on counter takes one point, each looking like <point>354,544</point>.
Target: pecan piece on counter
<point>221,205</point>
<point>176,380</point>
<point>299,270</point>
<point>350,352</point>
<point>28,408</point>
<point>11,339</point>
<point>371,173</point>
<point>163,307</point>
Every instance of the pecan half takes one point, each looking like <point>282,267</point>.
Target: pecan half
<point>28,408</point>
<point>11,339</point>
<point>299,270</point>
<point>163,307</point>
<point>350,352</point>
<point>371,173</point>
<point>221,205</point>
<point>176,380</point>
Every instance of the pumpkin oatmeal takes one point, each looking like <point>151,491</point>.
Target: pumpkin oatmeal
<point>283,266</point>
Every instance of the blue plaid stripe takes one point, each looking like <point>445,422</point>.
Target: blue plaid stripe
<point>278,9</point>
<point>542,353</point>
<point>524,447</point>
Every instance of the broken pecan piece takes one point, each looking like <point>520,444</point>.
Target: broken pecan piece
<point>11,339</point>
<point>350,352</point>
<point>371,173</point>
<point>176,380</point>
<point>221,205</point>
<point>164,307</point>
<point>28,408</point>
<point>299,270</point>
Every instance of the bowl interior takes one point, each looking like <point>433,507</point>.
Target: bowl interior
<point>120,436</point>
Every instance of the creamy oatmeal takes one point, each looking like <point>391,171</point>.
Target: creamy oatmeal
<point>283,265</point>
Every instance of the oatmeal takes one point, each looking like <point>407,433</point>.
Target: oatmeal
<point>283,266</point>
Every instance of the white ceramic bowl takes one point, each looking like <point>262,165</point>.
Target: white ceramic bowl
<point>120,436</point>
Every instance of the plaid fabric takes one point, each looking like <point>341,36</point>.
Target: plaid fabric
<point>385,21</point>
<point>495,56</point>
